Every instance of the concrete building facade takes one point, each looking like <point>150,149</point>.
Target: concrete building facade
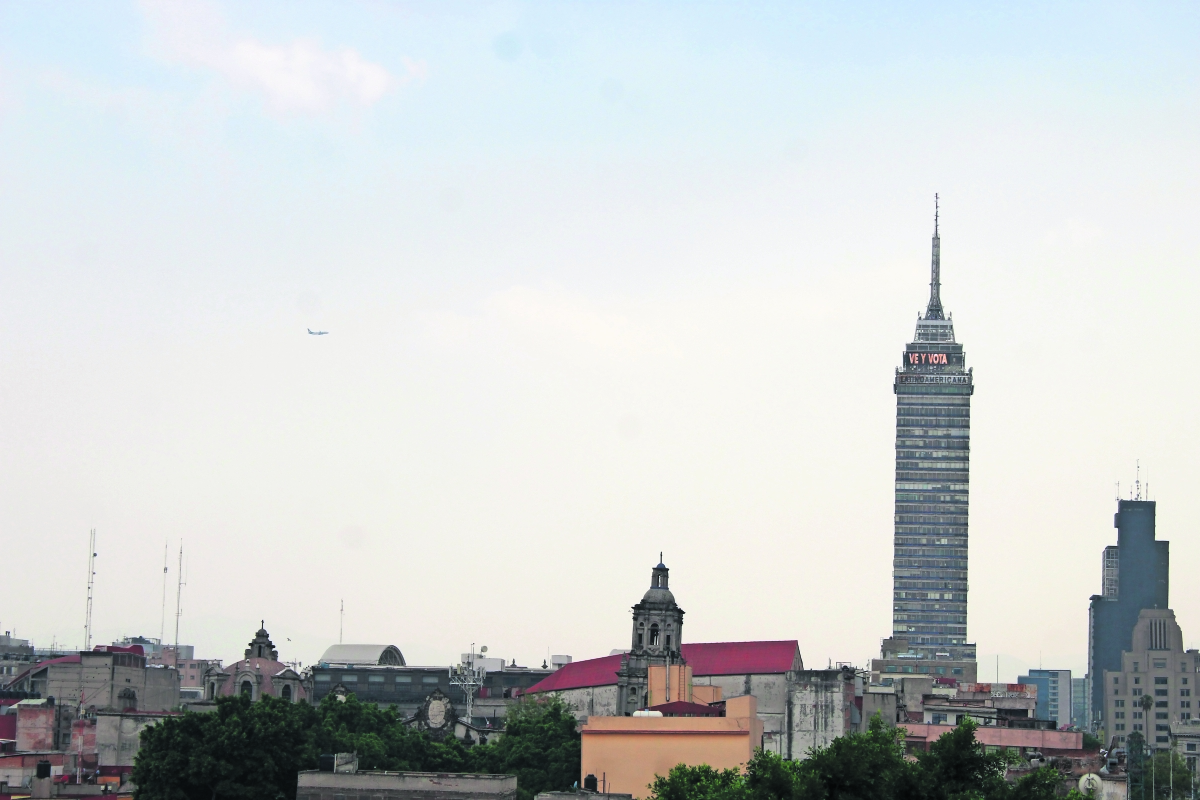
<point>629,751</point>
<point>1142,581</point>
<point>372,785</point>
<point>1155,670</point>
<point>108,678</point>
<point>379,674</point>
<point>1055,694</point>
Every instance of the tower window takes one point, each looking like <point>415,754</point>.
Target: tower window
<point>640,638</point>
<point>668,640</point>
<point>247,689</point>
<point>286,694</point>
<point>654,636</point>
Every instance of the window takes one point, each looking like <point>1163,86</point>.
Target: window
<point>1136,681</point>
<point>429,679</point>
<point>322,678</point>
<point>1185,703</point>
<point>374,679</point>
<point>1136,692</point>
<point>1160,663</point>
<point>404,679</point>
<point>1161,681</point>
<point>286,694</point>
<point>1185,692</point>
<point>1161,692</point>
<point>1119,714</point>
<point>938,719</point>
<point>1137,715</point>
<point>247,689</point>
<point>1116,679</point>
<point>1119,726</point>
<point>1135,666</point>
<point>956,670</point>
<point>668,640</point>
<point>1160,715</point>
<point>654,636</point>
<point>1191,748</point>
<point>1162,739</point>
<point>1119,703</point>
<point>890,668</point>
<point>640,637</point>
<point>1160,704</point>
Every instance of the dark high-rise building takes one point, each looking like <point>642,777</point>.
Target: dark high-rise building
<point>1141,564</point>
<point>933,388</point>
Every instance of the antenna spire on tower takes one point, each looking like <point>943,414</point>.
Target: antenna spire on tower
<point>934,311</point>
<point>91,583</point>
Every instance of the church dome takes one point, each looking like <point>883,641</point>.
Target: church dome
<point>656,595</point>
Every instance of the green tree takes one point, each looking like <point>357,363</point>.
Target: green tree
<point>381,739</point>
<point>241,751</point>
<point>1158,777</point>
<point>866,766</point>
<point>540,746</point>
<point>703,783</point>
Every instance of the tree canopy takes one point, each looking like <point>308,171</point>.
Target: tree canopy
<point>249,750</point>
<point>867,766</point>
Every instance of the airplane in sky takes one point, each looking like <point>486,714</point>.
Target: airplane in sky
<point>317,333</point>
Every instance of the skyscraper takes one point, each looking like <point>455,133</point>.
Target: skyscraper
<point>1142,564</point>
<point>933,388</point>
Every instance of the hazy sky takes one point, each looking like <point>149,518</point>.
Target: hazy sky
<point>600,280</point>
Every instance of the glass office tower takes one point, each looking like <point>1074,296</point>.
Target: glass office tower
<point>933,388</point>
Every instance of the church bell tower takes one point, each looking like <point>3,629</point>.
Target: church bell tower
<point>656,638</point>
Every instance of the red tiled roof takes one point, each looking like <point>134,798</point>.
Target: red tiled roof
<point>579,674</point>
<point>743,658</point>
<point>680,708</point>
<point>708,658</point>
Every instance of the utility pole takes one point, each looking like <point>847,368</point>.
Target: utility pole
<point>87,625</point>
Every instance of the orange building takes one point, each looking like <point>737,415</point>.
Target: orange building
<point>626,753</point>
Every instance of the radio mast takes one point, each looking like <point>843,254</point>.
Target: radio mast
<point>162,625</point>
<point>87,625</point>
<point>178,606</point>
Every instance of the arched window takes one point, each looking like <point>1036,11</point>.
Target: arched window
<point>286,694</point>
<point>247,689</point>
<point>212,691</point>
<point>654,636</point>
<point>260,655</point>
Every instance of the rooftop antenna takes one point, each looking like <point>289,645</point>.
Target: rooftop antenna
<point>469,678</point>
<point>341,621</point>
<point>934,311</point>
<point>87,625</point>
<point>1138,481</point>
<point>162,625</point>
<point>178,607</point>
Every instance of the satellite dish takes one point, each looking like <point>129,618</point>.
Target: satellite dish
<point>483,649</point>
<point>1091,783</point>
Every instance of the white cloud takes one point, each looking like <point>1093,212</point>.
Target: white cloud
<point>300,76</point>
